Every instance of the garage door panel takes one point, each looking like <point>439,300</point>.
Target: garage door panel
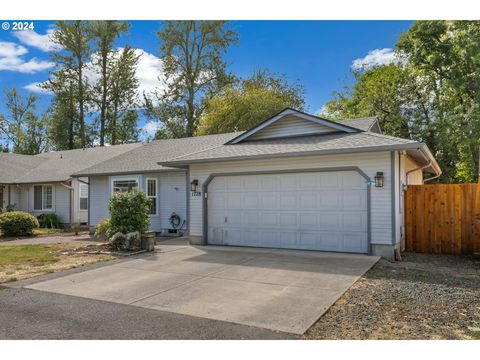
<point>330,200</point>
<point>329,221</point>
<point>268,201</point>
<point>268,219</point>
<point>353,181</point>
<point>234,183</point>
<point>218,201</point>
<point>308,200</point>
<point>354,221</point>
<point>288,239</point>
<point>309,181</point>
<point>311,211</point>
<point>252,183</point>
<point>268,182</point>
<point>353,200</point>
<point>288,182</point>
<point>354,241</point>
<point>234,201</point>
<point>251,219</point>
<point>289,220</point>
<point>329,180</point>
<point>251,201</point>
<point>331,241</point>
<point>289,200</point>
<point>308,220</point>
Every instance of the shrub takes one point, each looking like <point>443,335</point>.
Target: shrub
<point>49,221</point>
<point>18,223</point>
<point>129,212</point>
<point>102,228</point>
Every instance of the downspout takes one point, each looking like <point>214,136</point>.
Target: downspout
<point>83,182</point>
<point>70,208</point>
<point>432,178</point>
<point>419,168</point>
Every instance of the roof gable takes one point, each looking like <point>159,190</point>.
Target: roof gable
<point>291,123</point>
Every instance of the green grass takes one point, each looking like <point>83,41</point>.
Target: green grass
<point>36,255</point>
<point>43,231</point>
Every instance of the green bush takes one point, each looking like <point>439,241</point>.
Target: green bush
<point>101,229</point>
<point>17,223</point>
<point>129,212</point>
<point>49,221</point>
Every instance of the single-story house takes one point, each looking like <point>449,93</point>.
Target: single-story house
<point>41,184</point>
<point>295,181</point>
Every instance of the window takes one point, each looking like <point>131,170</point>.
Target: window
<point>42,197</point>
<point>83,193</point>
<point>124,185</point>
<point>152,195</point>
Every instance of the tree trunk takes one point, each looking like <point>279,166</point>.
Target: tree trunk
<point>80,102</point>
<point>71,111</point>
<point>114,123</point>
<point>104,98</point>
<point>190,113</point>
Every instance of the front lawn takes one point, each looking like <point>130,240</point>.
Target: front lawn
<point>24,261</point>
<point>423,297</point>
<point>45,231</point>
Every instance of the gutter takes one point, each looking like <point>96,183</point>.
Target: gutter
<point>432,178</point>
<point>83,182</point>
<point>419,168</point>
<point>67,186</point>
<point>411,146</point>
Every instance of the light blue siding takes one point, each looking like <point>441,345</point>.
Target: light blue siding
<point>171,197</point>
<point>99,195</point>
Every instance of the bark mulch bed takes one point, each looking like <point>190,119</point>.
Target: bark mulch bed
<point>423,297</point>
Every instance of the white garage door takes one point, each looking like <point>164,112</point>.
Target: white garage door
<point>312,211</point>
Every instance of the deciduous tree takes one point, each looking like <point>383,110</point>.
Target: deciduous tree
<point>193,67</point>
<point>251,101</point>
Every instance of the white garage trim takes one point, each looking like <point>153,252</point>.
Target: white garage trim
<point>209,179</point>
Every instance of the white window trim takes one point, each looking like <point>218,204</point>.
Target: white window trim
<point>123,178</point>
<point>43,191</point>
<point>80,196</point>
<point>152,197</point>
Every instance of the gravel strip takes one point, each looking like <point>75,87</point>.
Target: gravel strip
<point>424,297</point>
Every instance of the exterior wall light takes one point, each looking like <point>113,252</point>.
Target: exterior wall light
<point>379,179</point>
<point>194,185</point>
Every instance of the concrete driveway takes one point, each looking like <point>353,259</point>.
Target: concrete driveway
<point>281,290</point>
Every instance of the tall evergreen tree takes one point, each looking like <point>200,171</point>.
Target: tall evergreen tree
<point>122,97</point>
<point>69,78</point>
<point>104,34</point>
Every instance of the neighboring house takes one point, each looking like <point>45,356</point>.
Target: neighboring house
<point>295,181</point>
<point>43,183</point>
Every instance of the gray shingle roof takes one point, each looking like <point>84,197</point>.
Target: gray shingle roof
<point>12,166</point>
<point>333,143</point>
<point>145,158</point>
<point>59,165</point>
<point>364,124</point>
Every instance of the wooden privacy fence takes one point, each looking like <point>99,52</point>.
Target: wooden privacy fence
<point>443,218</point>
